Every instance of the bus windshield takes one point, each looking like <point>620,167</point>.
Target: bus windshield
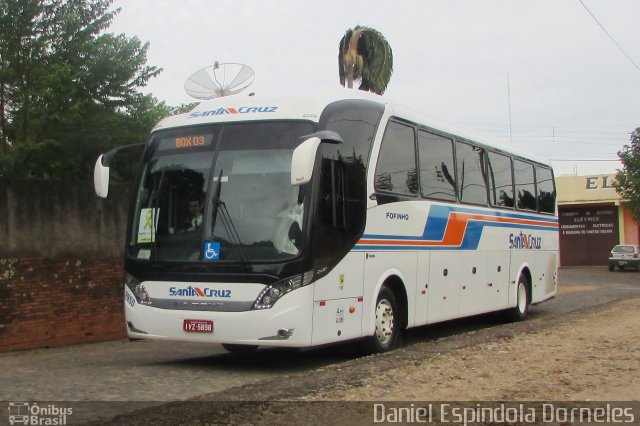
<point>243,208</point>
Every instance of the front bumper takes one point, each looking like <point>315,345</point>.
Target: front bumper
<point>624,263</point>
<point>293,312</point>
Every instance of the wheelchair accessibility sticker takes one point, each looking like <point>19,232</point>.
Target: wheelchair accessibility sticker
<point>211,250</point>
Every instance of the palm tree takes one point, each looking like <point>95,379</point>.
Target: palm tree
<point>365,54</point>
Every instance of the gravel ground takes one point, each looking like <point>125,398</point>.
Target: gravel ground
<point>593,357</point>
<point>587,355</point>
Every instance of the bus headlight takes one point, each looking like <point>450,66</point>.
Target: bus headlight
<point>275,291</point>
<point>138,290</point>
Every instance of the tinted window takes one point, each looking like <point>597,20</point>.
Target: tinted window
<point>356,122</point>
<point>471,174</point>
<point>437,173</point>
<point>342,191</point>
<point>546,190</point>
<point>500,180</point>
<point>525,185</point>
<point>396,171</point>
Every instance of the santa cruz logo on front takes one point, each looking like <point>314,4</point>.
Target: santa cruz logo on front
<point>233,110</point>
<point>198,292</point>
<point>524,242</point>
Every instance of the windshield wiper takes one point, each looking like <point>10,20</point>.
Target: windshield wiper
<point>227,222</point>
<point>228,225</point>
<point>157,188</point>
<point>215,200</point>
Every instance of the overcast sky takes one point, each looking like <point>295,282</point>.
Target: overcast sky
<point>573,94</point>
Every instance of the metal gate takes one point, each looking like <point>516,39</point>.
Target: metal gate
<point>587,234</point>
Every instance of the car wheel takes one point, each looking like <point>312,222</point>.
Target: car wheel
<point>611,268</point>
<point>388,330</point>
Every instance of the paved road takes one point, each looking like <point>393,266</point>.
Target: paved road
<point>162,371</point>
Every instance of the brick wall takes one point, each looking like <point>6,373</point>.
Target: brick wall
<point>61,264</point>
<point>48,302</point>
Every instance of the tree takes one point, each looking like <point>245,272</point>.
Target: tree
<point>67,89</point>
<point>365,54</point>
<point>627,182</point>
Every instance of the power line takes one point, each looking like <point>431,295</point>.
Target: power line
<point>509,97</point>
<point>584,159</point>
<point>558,132</point>
<point>557,144</point>
<point>622,126</point>
<point>609,35</point>
<point>565,139</point>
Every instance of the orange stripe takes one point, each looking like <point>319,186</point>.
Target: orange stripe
<point>456,228</point>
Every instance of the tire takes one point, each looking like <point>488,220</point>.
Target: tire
<point>521,310</point>
<point>611,267</point>
<point>240,349</point>
<point>388,330</point>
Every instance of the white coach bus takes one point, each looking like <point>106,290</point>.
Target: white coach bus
<point>308,220</point>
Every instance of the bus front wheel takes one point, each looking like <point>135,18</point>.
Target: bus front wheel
<point>520,311</point>
<point>388,330</point>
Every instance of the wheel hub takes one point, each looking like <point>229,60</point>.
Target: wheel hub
<point>384,321</point>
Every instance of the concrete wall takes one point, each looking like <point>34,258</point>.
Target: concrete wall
<point>60,263</point>
<point>61,219</point>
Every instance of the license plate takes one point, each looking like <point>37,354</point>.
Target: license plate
<point>622,262</point>
<point>197,326</point>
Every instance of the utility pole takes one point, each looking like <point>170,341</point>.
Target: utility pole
<point>509,100</point>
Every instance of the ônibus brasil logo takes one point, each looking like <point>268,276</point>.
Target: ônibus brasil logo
<point>233,110</point>
<point>30,413</point>
<point>198,292</point>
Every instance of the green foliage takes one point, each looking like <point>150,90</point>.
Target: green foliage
<point>628,179</point>
<point>68,90</point>
<point>365,54</point>
<point>181,109</point>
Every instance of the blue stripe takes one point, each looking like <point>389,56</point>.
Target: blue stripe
<point>437,223</point>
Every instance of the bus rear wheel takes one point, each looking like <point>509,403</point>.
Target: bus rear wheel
<point>521,310</point>
<point>388,329</point>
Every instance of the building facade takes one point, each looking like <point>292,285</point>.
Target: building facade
<point>593,218</point>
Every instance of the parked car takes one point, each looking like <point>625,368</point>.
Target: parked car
<point>625,256</point>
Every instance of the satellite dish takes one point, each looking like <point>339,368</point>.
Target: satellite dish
<point>219,80</point>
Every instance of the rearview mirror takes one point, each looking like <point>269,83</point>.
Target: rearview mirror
<point>304,156</point>
<point>101,178</point>
<point>101,169</point>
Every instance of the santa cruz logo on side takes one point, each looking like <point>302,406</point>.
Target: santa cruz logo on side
<point>198,292</point>
<point>524,242</point>
<point>233,110</point>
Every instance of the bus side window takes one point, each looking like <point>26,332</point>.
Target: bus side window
<point>500,177</point>
<point>525,185</point>
<point>437,171</point>
<point>396,171</point>
<point>339,216</point>
<point>546,190</point>
<point>472,185</point>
